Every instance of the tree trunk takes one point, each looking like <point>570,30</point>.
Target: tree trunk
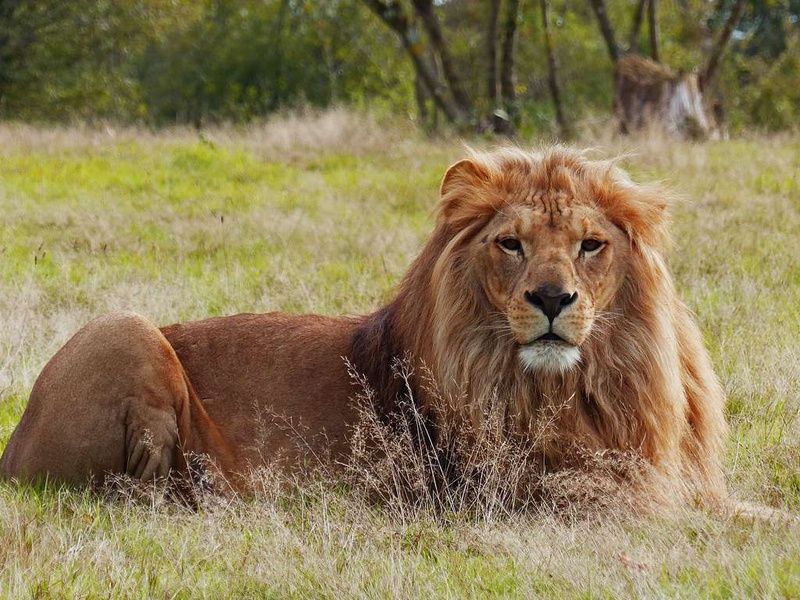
<point>507,92</point>
<point>655,37</point>
<point>650,94</point>
<point>555,92</point>
<point>491,54</point>
<point>711,68</point>
<point>599,7</point>
<point>421,95</point>
<point>636,28</point>
<point>278,64</point>
<point>393,16</point>
<point>11,50</point>
<point>424,9</point>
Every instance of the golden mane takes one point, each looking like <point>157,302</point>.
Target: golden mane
<point>645,382</point>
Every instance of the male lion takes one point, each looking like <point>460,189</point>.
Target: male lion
<point>543,285</point>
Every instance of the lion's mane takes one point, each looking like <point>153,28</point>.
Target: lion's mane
<point>645,382</point>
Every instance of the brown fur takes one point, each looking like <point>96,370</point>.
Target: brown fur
<point>249,390</point>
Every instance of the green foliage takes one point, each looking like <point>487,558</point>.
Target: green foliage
<point>240,60</point>
<point>70,59</point>
<point>769,96</point>
<point>160,62</point>
<point>585,70</point>
<point>766,26</point>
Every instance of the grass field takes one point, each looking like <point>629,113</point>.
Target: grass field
<point>323,214</point>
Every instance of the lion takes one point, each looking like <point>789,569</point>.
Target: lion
<point>544,284</point>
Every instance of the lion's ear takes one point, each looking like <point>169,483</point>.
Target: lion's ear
<point>465,172</point>
<point>641,211</point>
<point>646,219</point>
<point>460,197</point>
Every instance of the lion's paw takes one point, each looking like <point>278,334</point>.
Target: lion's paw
<point>151,437</point>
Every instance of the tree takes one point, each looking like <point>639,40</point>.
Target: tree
<point>424,10</point>
<point>449,93</point>
<point>649,92</point>
<point>491,60</point>
<point>500,82</point>
<point>507,65</point>
<point>495,65</point>
<point>451,100</point>
<point>600,11</point>
<point>12,47</point>
<point>638,19</point>
<point>764,68</point>
<point>69,60</point>
<point>552,78</point>
<point>652,22</point>
<point>711,67</point>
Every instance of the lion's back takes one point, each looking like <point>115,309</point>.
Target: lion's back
<point>268,379</point>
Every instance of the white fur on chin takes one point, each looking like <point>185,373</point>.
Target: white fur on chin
<point>549,357</point>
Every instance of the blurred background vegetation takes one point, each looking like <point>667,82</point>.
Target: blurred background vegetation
<point>164,62</point>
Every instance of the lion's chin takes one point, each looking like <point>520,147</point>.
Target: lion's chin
<point>549,357</point>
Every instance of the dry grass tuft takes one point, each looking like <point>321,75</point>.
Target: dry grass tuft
<point>298,136</point>
<point>290,137</point>
<point>456,472</point>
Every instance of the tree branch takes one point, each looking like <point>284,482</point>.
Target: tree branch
<point>507,92</point>
<point>424,8</point>
<point>491,53</point>
<point>655,37</point>
<point>599,7</point>
<point>555,92</point>
<point>638,19</point>
<point>391,13</point>
<point>713,62</point>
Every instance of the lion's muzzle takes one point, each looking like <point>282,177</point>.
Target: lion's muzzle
<point>551,300</point>
<point>552,346</point>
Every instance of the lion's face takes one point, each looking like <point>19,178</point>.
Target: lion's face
<point>550,254</point>
<point>550,267</point>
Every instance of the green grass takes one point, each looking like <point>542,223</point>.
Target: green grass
<point>324,215</point>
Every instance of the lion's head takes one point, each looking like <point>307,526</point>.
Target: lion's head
<point>547,259</point>
<point>544,287</point>
<point>546,241</point>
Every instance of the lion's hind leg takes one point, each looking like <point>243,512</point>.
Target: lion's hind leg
<point>114,399</point>
<point>151,440</point>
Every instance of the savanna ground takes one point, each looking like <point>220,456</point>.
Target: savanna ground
<point>323,214</point>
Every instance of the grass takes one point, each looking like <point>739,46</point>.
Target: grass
<point>323,214</point>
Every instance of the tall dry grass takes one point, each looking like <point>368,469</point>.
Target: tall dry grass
<point>488,474</point>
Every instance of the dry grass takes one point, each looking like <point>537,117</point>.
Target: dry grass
<point>323,213</point>
<point>284,138</point>
<point>485,475</point>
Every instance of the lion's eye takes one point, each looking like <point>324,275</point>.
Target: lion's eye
<point>590,245</point>
<point>510,244</point>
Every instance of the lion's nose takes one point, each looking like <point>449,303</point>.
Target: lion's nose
<point>551,300</point>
